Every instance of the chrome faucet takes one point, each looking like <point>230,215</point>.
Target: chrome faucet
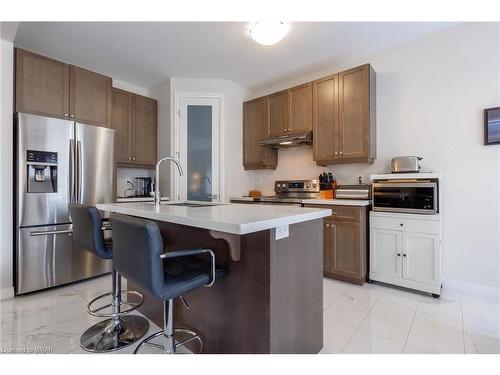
<point>157,178</point>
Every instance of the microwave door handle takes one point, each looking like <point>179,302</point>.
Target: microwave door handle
<point>405,184</point>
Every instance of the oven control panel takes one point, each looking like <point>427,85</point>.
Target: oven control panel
<point>309,186</point>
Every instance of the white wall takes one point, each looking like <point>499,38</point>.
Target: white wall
<point>6,165</point>
<point>236,180</point>
<point>430,96</point>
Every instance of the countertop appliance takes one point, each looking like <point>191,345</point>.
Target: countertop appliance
<point>57,162</point>
<point>361,191</point>
<point>143,186</point>
<point>289,192</point>
<point>417,196</point>
<point>288,140</point>
<point>405,164</point>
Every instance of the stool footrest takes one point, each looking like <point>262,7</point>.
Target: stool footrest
<point>95,311</point>
<point>193,336</point>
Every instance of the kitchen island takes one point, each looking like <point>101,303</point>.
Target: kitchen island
<point>271,300</point>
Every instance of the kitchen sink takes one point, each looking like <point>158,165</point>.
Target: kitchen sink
<point>192,204</point>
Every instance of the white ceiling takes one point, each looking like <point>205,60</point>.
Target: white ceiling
<point>145,54</point>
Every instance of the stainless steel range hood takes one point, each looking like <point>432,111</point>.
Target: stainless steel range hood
<point>288,140</point>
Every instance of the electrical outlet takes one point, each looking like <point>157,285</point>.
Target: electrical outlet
<point>282,232</point>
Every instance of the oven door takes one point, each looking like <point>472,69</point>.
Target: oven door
<point>406,197</point>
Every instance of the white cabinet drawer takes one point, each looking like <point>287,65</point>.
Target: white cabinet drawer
<point>399,223</point>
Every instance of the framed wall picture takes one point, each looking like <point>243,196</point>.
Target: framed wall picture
<point>492,126</point>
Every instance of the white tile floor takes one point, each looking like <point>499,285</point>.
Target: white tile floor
<point>376,318</point>
<point>370,319</point>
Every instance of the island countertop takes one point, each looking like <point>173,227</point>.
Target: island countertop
<point>232,218</point>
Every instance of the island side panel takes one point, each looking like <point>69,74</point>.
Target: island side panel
<point>297,289</point>
<point>233,315</point>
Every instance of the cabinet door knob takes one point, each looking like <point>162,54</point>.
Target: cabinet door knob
<point>401,224</point>
<point>71,115</point>
<point>336,153</point>
<point>133,158</point>
<point>404,255</point>
<point>341,153</point>
<point>399,254</point>
<point>129,158</point>
<point>65,115</point>
<point>327,225</point>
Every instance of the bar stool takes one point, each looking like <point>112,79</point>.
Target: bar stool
<point>118,331</point>
<point>139,256</point>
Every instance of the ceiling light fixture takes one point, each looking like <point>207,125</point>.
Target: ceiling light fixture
<point>267,32</point>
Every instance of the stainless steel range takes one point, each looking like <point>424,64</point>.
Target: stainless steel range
<point>289,192</point>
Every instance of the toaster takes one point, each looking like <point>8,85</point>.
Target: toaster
<point>405,164</point>
<point>353,192</point>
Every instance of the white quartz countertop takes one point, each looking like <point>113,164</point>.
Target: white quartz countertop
<point>230,218</point>
<point>338,202</point>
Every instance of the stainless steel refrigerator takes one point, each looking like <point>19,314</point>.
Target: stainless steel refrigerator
<point>57,162</point>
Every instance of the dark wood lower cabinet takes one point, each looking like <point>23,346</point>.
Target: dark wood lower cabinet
<point>345,243</point>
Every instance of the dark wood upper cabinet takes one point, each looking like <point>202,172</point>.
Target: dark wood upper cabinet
<point>144,124</point>
<point>135,119</point>
<point>121,120</point>
<point>90,97</point>
<point>255,128</point>
<point>301,108</point>
<point>42,85</point>
<point>344,117</point>
<point>52,88</point>
<point>326,119</point>
<point>357,110</point>
<point>279,113</point>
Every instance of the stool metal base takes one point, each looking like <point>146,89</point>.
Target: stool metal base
<point>108,336</point>
<point>191,335</point>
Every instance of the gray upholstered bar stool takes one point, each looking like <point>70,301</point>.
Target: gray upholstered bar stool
<point>140,257</point>
<point>118,331</point>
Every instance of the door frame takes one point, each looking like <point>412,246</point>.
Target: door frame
<point>175,141</point>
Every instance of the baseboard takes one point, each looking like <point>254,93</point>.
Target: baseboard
<point>472,288</point>
<point>6,293</point>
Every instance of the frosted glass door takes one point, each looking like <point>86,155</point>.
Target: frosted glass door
<point>199,153</point>
<point>199,149</point>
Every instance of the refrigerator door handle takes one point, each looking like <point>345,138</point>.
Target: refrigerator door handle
<point>79,181</point>
<point>71,171</point>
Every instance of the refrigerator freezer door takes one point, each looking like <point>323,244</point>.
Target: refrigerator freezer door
<point>45,257</point>
<point>49,137</point>
<point>95,164</point>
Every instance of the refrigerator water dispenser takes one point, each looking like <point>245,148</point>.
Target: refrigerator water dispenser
<point>42,171</point>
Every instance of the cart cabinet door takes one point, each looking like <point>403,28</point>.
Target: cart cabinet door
<point>386,252</point>
<point>421,259</point>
